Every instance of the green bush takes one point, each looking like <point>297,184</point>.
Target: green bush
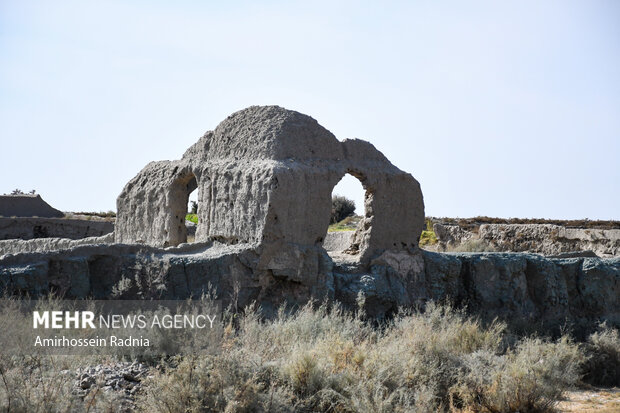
<point>342,207</point>
<point>428,238</point>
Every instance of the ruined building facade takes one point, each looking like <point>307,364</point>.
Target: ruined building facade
<point>265,176</point>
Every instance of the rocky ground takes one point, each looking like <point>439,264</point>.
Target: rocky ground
<point>122,379</point>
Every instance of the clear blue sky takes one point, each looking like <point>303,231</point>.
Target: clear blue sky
<point>508,109</point>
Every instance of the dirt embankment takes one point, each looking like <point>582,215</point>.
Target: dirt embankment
<point>470,224</point>
<point>553,238</point>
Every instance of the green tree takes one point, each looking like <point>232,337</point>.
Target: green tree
<point>342,207</point>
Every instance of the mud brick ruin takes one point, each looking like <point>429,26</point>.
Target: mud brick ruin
<point>265,176</point>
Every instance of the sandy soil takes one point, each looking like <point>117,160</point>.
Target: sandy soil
<point>592,400</point>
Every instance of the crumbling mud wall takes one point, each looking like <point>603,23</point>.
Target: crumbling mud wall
<point>265,176</point>
<point>20,246</point>
<point>525,290</point>
<point>547,239</point>
<point>25,228</point>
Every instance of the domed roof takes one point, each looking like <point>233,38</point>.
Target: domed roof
<point>271,132</point>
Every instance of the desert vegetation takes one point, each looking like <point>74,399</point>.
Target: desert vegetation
<point>342,207</point>
<point>20,192</point>
<point>347,224</point>
<point>323,359</point>
<point>428,236</point>
<point>472,245</point>
<point>603,357</point>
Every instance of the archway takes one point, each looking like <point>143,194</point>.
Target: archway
<point>180,192</point>
<point>191,219</point>
<point>344,232</point>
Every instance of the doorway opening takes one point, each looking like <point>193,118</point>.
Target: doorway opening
<point>183,223</point>
<point>191,219</point>
<point>348,213</point>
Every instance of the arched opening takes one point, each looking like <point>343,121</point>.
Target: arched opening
<point>344,220</point>
<point>191,219</point>
<point>183,224</point>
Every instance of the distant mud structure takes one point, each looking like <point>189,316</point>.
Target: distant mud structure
<point>28,216</point>
<point>264,179</point>
<point>27,205</point>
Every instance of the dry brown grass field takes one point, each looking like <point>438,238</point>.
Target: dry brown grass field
<point>322,359</point>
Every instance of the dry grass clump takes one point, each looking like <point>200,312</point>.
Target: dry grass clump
<point>603,350</point>
<point>529,378</point>
<point>350,223</point>
<point>47,384</point>
<point>473,245</point>
<point>331,361</point>
<point>323,359</point>
<point>29,384</point>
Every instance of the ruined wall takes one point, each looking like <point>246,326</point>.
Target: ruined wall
<point>19,246</point>
<point>266,175</point>
<point>337,241</point>
<point>31,228</point>
<point>233,201</point>
<point>545,239</point>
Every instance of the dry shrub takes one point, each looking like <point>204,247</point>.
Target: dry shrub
<point>473,245</point>
<point>603,350</point>
<point>46,384</point>
<point>222,383</point>
<point>29,384</point>
<point>323,359</point>
<point>530,378</point>
<point>420,354</point>
<point>304,374</point>
<point>328,360</point>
